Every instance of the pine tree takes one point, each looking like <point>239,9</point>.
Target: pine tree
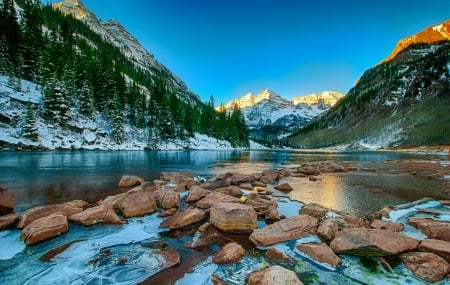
<point>56,106</point>
<point>86,99</point>
<point>29,128</point>
<point>117,131</point>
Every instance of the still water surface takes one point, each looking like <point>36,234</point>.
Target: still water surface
<point>39,178</point>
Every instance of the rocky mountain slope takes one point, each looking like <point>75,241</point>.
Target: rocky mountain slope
<point>267,113</point>
<point>403,101</point>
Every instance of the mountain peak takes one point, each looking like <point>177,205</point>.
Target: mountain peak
<point>430,35</point>
<point>74,7</point>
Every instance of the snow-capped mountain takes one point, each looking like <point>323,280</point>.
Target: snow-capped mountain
<point>268,108</point>
<point>114,33</point>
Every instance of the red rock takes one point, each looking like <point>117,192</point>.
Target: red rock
<point>284,187</point>
<point>284,230</point>
<point>383,212</point>
<point>275,275</point>
<point>8,221</point>
<point>425,265</point>
<point>196,193</point>
<point>233,217</point>
<point>130,181</point>
<point>99,214</point>
<point>166,198</point>
<point>183,219</point>
<point>215,198</point>
<point>45,228</point>
<point>439,247</point>
<point>269,176</point>
<point>332,168</point>
<point>232,252</point>
<point>239,179</point>
<point>371,242</point>
<point>217,281</point>
<point>6,202</point>
<point>284,172</point>
<point>136,203</point>
<point>266,207</point>
<point>394,227</point>
<point>314,210</point>
<point>178,177</point>
<point>308,170</point>
<point>168,212</point>
<point>222,180</point>
<point>320,252</point>
<point>68,209</point>
<point>275,255</point>
<point>431,228</point>
<point>246,186</point>
<point>231,190</point>
<point>328,229</point>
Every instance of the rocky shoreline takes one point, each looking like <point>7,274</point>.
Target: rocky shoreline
<point>232,203</point>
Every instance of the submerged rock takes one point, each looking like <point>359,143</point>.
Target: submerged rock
<point>371,242</point>
<point>183,219</point>
<point>232,252</point>
<point>233,217</point>
<point>439,247</point>
<point>431,228</point>
<point>45,228</point>
<point>320,252</point>
<point>314,210</point>
<point>99,214</point>
<point>425,265</point>
<point>68,209</point>
<point>6,202</point>
<point>275,275</point>
<point>284,230</point>
<point>130,181</point>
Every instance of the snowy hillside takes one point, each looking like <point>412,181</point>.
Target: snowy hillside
<point>80,132</point>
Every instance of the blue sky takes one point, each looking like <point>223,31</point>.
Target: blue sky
<point>227,48</point>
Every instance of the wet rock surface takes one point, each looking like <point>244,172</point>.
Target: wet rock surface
<point>230,253</point>
<point>427,266</point>
<point>6,202</point>
<point>45,228</point>
<point>320,252</point>
<point>431,228</point>
<point>275,275</point>
<point>183,219</point>
<point>233,217</point>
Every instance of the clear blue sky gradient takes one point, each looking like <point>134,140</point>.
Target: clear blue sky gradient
<point>227,48</point>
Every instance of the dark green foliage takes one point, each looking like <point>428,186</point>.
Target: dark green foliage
<point>29,127</point>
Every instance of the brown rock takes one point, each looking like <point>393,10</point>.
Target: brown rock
<point>313,178</point>
<point>183,219</point>
<point>283,230</point>
<point>196,193</point>
<point>425,265</point>
<point>45,228</point>
<point>284,172</point>
<point>332,168</point>
<point>439,247</point>
<point>275,275</point>
<point>130,181</point>
<point>168,212</point>
<point>217,281</point>
<point>178,177</point>
<point>98,214</point>
<point>264,206</point>
<point>8,221</point>
<point>308,170</point>
<point>431,228</point>
<point>320,252</point>
<point>232,190</point>
<point>313,210</point>
<point>371,242</point>
<point>246,186</point>
<point>166,198</point>
<point>215,198</point>
<point>393,227</point>
<point>233,217</point>
<point>136,203</point>
<point>275,255</point>
<point>232,252</point>
<point>352,221</point>
<point>328,229</point>
<point>68,209</point>
<point>239,179</point>
<point>383,212</point>
<point>269,176</point>
<point>6,202</point>
<point>222,180</point>
<point>284,187</point>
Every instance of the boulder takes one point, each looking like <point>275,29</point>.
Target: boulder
<point>215,198</point>
<point>183,219</point>
<point>246,186</point>
<point>313,210</point>
<point>332,168</point>
<point>231,190</point>
<point>168,212</point>
<point>222,180</point>
<point>431,228</point>
<point>136,203</point>
<point>308,170</point>
<point>266,207</point>
<point>275,255</point>
<point>196,193</point>
<point>178,177</point>
<point>130,181</point>
<point>269,176</point>
<point>275,275</point>
<point>371,242</point>
<point>320,252</point>
<point>8,221</point>
<point>328,229</point>
<point>393,227</point>
<point>239,179</point>
<point>6,202</point>
<point>286,187</point>
<point>102,213</point>
<point>284,230</point>
<point>68,209</point>
<point>166,198</point>
<point>439,247</point>
<point>233,217</point>
<point>425,265</point>
<point>45,228</point>
<point>232,252</point>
